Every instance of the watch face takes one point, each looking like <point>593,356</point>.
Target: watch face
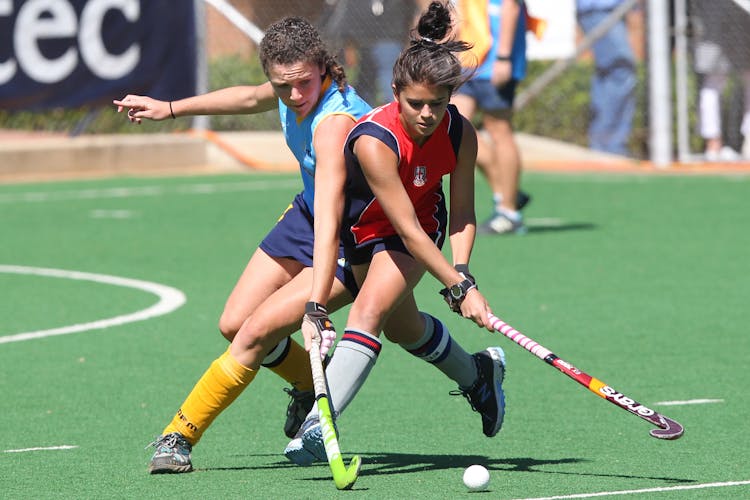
<point>457,292</point>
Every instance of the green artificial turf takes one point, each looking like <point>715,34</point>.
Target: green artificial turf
<point>641,281</point>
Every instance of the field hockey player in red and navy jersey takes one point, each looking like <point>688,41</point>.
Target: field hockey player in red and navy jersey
<point>395,222</point>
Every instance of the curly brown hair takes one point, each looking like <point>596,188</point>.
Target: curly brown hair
<point>294,39</point>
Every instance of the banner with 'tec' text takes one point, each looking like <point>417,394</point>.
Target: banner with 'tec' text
<point>69,53</point>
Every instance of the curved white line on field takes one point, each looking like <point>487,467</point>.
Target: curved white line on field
<point>169,300</point>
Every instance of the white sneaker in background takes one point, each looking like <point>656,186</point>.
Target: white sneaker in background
<point>724,154</point>
<point>746,147</point>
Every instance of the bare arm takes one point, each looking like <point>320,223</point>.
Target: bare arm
<point>330,176</point>
<point>502,71</point>
<point>462,224</point>
<point>246,99</point>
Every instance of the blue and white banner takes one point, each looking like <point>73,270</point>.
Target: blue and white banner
<point>67,53</point>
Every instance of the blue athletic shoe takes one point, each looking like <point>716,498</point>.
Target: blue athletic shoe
<point>307,446</point>
<point>486,395</point>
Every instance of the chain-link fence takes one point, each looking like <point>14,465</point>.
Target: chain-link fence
<point>367,34</point>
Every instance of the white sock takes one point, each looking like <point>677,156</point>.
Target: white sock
<point>352,360</point>
<point>438,348</point>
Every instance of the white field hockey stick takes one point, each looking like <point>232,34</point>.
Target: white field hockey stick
<point>667,428</point>
<point>343,477</point>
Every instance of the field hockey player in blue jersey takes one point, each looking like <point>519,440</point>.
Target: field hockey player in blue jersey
<point>317,109</point>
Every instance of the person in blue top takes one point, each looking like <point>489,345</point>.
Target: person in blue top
<point>497,30</point>
<point>317,108</point>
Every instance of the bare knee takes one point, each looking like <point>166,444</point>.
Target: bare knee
<point>253,341</point>
<point>369,317</point>
<point>230,323</point>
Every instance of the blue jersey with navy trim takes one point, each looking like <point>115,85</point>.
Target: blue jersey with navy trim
<point>299,134</point>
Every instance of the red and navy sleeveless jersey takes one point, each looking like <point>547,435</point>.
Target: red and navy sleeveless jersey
<point>421,169</point>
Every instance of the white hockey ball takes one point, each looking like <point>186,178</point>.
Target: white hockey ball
<point>476,478</point>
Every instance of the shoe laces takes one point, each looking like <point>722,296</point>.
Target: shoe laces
<point>309,422</point>
<point>466,393</point>
<point>297,397</point>
<point>296,394</point>
<point>168,441</point>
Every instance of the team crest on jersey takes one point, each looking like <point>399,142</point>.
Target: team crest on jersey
<point>420,176</point>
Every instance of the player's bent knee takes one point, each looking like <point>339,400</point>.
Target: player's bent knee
<point>370,319</point>
<point>253,339</point>
<point>229,325</point>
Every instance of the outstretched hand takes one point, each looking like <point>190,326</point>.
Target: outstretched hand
<point>316,324</point>
<point>140,107</point>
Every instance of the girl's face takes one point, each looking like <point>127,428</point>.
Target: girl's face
<point>298,85</point>
<point>421,108</point>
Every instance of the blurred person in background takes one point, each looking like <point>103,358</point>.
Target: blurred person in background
<point>372,34</point>
<point>722,49</point>
<point>614,81</point>
<point>497,31</point>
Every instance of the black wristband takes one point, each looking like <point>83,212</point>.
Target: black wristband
<point>170,110</point>
<point>312,307</point>
<point>502,58</point>
<point>462,268</point>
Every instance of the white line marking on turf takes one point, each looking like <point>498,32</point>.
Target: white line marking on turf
<point>133,192</point>
<point>689,402</point>
<point>544,221</point>
<point>646,490</point>
<point>169,300</point>
<point>45,448</point>
<point>102,213</point>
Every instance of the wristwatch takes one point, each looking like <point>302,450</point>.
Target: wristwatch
<point>459,290</point>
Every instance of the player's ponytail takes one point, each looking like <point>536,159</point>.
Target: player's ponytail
<point>434,23</point>
<point>431,55</point>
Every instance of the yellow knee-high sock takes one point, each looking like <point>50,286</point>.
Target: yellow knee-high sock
<point>224,380</point>
<point>294,367</point>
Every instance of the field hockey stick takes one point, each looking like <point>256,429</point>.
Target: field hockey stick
<point>667,428</point>
<point>343,477</point>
